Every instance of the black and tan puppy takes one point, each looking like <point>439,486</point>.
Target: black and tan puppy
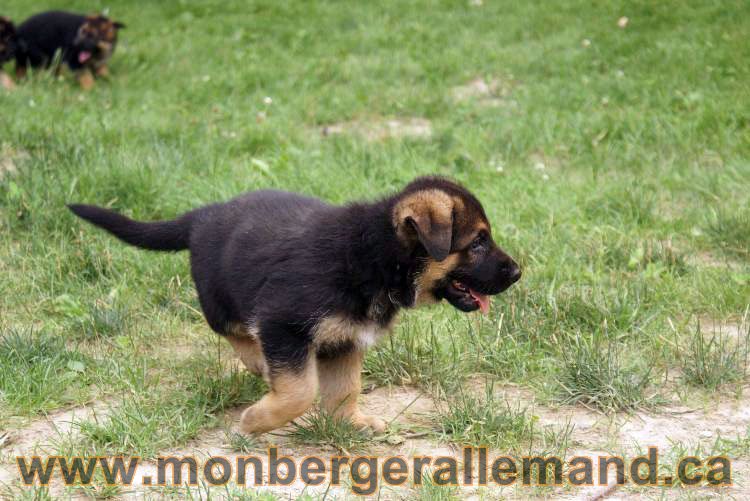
<point>85,43</point>
<point>301,288</point>
<point>7,49</point>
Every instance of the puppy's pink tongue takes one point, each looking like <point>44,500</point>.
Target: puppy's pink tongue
<point>84,56</point>
<point>482,300</point>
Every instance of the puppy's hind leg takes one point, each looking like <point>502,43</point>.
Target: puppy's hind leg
<point>250,353</point>
<point>293,390</point>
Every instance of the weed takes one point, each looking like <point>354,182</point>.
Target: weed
<point>165,416</point>
<point>730,230</point>
<point>594,374</point>
<point>715,359</point>
<point>322,429</point>
<point>38,372</point>
<point>466,419</point>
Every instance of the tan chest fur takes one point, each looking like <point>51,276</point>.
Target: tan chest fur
<point>339,329</point>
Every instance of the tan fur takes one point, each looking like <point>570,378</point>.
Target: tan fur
<point>435,205</point>
<point>340,384</point>
<point>105,53</point>
<point>6,82</point>
<point>86,79</point>
<point>20,72</point>
<point>291,394</point>
<point>338,329</point>
<point>463,241</point>
<point>250,352</point>
<point>242,330</point>
<point>433,272</point>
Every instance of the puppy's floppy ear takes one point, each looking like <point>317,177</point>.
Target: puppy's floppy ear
<point>435,237</point>
<point>119,25</point>
<point>426,216</point>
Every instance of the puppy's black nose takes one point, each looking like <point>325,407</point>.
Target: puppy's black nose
<point>514,273</point>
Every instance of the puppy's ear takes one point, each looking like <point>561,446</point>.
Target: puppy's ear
<point>426,216</point>
<point>119,25</point>
<point>435,237</point>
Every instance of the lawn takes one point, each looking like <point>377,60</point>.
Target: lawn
<point>612,156</point>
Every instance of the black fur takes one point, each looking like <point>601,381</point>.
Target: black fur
<point>7,40</point>
<point>41,36</point>
<point>283,262</point>
<point>160,235</point>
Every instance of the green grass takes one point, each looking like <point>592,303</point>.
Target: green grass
<point>321,428</point>
<point>715,357</point>
<point>729,228</point>
<point>39,372</point>
<point>430,491</point>
<point>489,421</point>
<point>418,357</point>
<point>239,442</point>
<point>595,373</point>
<point>161,416</point>
<point>617,172</point>
<point>33,493</point>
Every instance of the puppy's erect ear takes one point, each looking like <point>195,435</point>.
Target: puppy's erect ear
<point>426,216</point>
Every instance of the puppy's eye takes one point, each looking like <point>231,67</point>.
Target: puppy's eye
<point>477,244</point>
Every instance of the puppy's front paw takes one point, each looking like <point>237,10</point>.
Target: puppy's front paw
<point>86,80</point>
<point>249,421</point>
<point>6,82</point>
<point>364,421</point>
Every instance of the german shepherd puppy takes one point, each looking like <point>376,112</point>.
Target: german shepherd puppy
<point>301,288</point>
<point>7,48</point>
<point>85,43</point>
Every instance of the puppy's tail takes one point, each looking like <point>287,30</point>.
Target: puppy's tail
<point>158,235</point>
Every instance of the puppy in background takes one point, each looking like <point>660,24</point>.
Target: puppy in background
<point>7,49</point>
<point>85,44</point>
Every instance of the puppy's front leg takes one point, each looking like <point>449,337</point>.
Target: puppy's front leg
<point>6,81</point>
<point>86,79</point>
<point>102,71</point>
<point>21,71</point>
<point>340,384</point>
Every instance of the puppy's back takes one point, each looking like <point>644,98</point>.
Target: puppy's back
<point>43,34</point>
<point>261,216</point>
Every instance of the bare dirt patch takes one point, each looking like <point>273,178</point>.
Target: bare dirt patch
<point>735,330</point>
<point>712,260</point>
<point>490,92</point>
<point>411,414</point>
<point>35,437</point>
<point>10,158</point>
<point>38,437</point>
<point>380,129</point>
